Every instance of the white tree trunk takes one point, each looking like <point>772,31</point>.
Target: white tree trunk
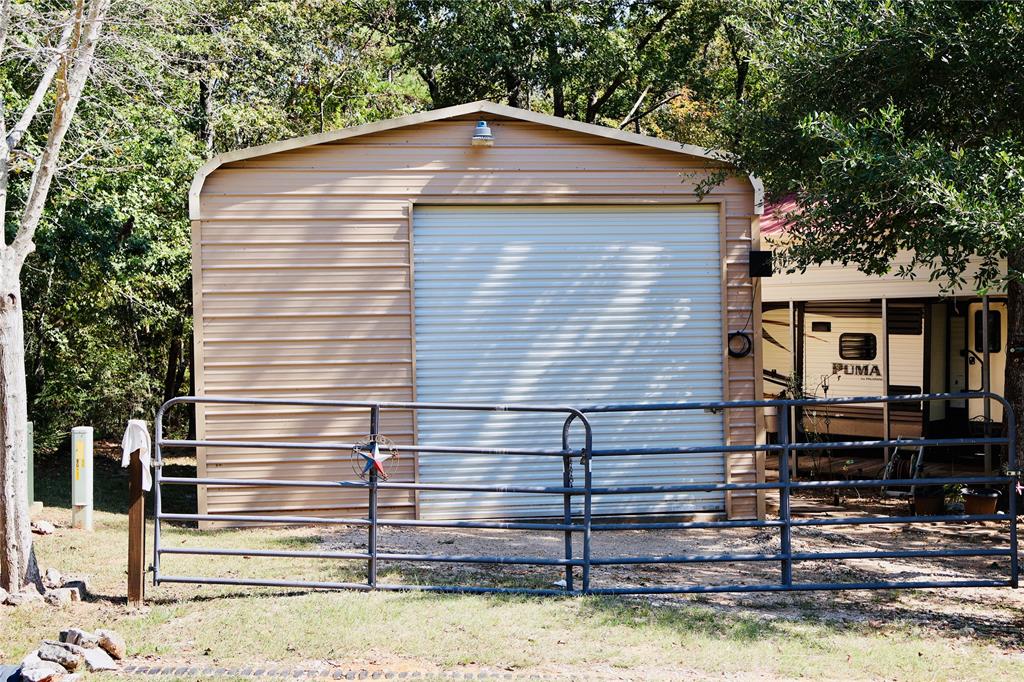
<point>70,72</point>
<point>17,561</point>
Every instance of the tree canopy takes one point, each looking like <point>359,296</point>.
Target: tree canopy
<point>896,125</point>
<point>108,292</point>
<point>595,61</point>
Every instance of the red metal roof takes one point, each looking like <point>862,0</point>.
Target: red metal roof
<point>773,221</point>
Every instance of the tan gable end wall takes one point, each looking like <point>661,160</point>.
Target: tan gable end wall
<point>302,264</point>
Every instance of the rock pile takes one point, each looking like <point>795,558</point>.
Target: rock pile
<point>58,590</point>
<point>76,651</point>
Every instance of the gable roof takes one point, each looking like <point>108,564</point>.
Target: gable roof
<point>480,107</point>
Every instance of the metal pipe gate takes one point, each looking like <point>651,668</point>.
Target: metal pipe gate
<point>583,524</point>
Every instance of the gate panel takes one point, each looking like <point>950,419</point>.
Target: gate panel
<point>577,528</point>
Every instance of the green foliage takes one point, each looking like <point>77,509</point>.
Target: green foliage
<point>108,292</point>
<point>108,287</point>
<point>590,61</point>
<point>281,69</point>
<point>896,125</point>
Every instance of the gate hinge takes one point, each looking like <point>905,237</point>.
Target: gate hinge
<point>1016,473</point>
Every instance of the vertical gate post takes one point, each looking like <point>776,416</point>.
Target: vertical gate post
<point>567,515</point>
<point>786,540</point>
<point>588,485</point>
<point>158,464</point>
<point>371,542</point>
<point>136,533</point>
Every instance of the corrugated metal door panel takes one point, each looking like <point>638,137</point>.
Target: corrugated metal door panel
<point>567,305</point>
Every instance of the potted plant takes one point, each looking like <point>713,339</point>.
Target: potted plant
<point>929,500</point>
<point>954,498</point>
<point>980,501</point>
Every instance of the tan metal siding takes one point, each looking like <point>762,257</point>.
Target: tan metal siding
<point>305,309</point>
<point>835,282</point>
<point>742,373</point>
<point>303,279</point>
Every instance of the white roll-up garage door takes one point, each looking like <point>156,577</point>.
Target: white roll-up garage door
<point>593,304</point>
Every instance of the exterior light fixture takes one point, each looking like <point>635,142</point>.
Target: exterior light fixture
<point>482,136</point>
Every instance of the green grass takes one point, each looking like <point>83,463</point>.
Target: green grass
<point>226,626</point>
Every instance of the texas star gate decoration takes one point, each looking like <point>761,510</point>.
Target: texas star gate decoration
<point>574,524</point>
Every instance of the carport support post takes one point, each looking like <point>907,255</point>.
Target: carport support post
<point>986,382</point>
<point>797,389</point>
<point>886,411</point>
<point>786,540</point>
<point>136,533</point>
<point>371,543</point>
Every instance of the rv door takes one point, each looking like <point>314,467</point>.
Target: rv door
<point>976,354</point>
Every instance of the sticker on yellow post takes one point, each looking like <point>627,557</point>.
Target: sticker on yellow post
<point>79,459</point>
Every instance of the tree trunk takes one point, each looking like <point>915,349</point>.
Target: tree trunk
<point>206,114</point>
<point>436,99</point>
<point>17,561</point>
<point>512,88</point>
<point>555,67</point>
<point>171,379</point>
<point>1014,380</point>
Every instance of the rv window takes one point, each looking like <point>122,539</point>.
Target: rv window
<point>857,346</point>
<point>899,389</point>
<point>821,326</point>
<point>906,321</point>
<point>995,332</point>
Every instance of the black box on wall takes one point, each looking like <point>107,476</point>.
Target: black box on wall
<point>761,263</point>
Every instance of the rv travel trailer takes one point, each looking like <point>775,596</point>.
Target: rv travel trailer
<point>834,331</point>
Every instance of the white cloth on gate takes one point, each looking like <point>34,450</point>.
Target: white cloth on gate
<point>136,437</point>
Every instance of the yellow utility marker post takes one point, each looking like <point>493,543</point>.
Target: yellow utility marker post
<point>81,477</point>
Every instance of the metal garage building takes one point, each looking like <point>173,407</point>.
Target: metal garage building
<point>560,263</point>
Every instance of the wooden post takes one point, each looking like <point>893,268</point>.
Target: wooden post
<point>136,533</point>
